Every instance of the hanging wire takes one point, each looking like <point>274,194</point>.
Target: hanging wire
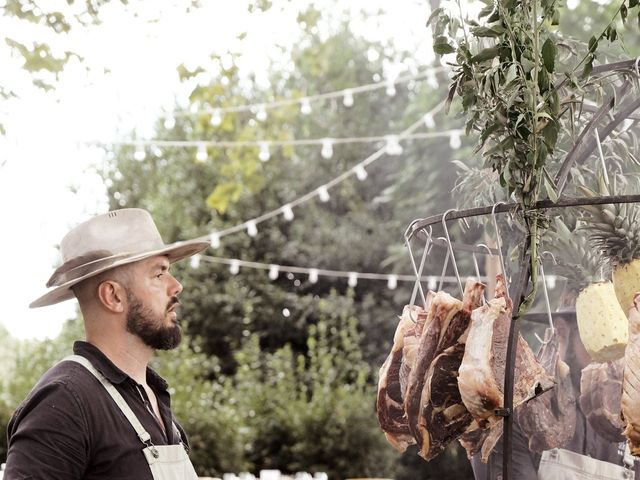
<point>444,266</point>
<point>453,258</point>
<point>475,262</point>
<point>604,165</point>
<point>418,272</point>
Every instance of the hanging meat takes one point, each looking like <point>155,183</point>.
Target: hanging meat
<point>601,396</point>
<point>442,415</point>
<point>482,371</point>
<point>389,404</point>
<point>473,438</point>
<point>549,420</point>
<point>631,381</point>
<point>442,309</point>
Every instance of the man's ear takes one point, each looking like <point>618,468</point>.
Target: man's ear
<point>112,296</point>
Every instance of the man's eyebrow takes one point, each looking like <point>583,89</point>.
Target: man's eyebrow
<point>164,267</point>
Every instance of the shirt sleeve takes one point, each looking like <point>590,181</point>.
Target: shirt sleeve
<point>522,461</point>
<point>48,436</point>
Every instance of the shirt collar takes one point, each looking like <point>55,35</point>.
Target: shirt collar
<point>112,373</point>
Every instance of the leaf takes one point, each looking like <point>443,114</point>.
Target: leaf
<point>486,54</point>
<point>588,66</point>
<point>491,32</point>
<point>434,14</point>
<point>593,44</point>
<point>443,48</point>
<point>512,73</point>
<point>633,3</point>
<point>549,52</point>
<point>551,193</point>
<point>623,12</point>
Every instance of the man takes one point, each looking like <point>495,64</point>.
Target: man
<point>596,456</point>
<point>103,413</point>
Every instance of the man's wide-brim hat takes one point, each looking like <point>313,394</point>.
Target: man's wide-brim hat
<point>108,241</point>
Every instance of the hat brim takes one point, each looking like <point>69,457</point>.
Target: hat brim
<point>174,252</point>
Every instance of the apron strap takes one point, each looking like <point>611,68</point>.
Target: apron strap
<point>143,435</point>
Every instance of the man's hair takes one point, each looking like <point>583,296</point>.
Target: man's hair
<point>86,291</point>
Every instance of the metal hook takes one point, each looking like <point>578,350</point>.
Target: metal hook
<point>444,266</point>
<point>453,258</point>
<point>553,257</point>
<point>475,263</point>
<point>418,272</point>
<point>546,296</point>
<point>406,232</point>
<point>604,166</point>
<point>495,226</point>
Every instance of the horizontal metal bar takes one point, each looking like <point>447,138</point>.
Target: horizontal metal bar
<point>419,224</point>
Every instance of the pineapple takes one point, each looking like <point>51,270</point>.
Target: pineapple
<point>614,230</point>
<point>602,324</point>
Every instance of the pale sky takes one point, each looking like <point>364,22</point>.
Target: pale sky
<point>43,156</point>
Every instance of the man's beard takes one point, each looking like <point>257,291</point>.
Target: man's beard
<point>146,325</point>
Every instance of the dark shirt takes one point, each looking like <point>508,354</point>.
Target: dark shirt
<point>585,441</point>
<point>69,427</point>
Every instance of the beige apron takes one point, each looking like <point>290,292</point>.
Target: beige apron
<point>559,464</point>
<point>167,462</point>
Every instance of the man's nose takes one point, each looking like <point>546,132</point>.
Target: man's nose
<point>176,286</point>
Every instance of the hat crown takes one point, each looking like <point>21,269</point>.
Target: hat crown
<point>119,232</point>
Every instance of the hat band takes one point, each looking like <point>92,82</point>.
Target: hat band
<point>82,265</point>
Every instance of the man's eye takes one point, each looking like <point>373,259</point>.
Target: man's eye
<point>159,275</point>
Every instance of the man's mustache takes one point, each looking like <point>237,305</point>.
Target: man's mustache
<point>174,302</point>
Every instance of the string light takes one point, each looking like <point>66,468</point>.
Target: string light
<point>139,154</point>
<point>323,190</point>
<point>344,93</point>
<point>194,261</point>
<point>305,106</point>
<point>313,275</point>
<point>216,117</point>
<point>287,212</point>
<point>327,148</point>
<point>347,100</point>
<point>201,155</point>
<point>214,238</point>
<point>273,272</point>
<point>352,279</point>
<point>323,194</point>
<point>360,172</point>
<point>155,150</point>
<point>455,142</point>
<point>252,229</point>
<point>429,122</point>
<point>264,154</point>
<point>234,268</point>
<point>391,88</point>
<point>393,146</point>
<point>261,115</point>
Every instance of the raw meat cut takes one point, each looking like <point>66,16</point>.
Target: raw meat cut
<point>389,404</point>
<point>549,420</point>
<point>601,396</point>
<point>631,381</point>
<point>482,371</point>
<point>442,415</point>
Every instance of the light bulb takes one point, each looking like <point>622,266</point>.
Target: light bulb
<point>195,261</point>
<point>392,282</point>
<point>327,148</point>
<point>305,106</point>
<point>155,150</point>
<point>391,88</point>
<point>551,281</point>
<point>360,172</point>
<point>353,279</point>
<point>432,284</point>
<point>214,238</point>
<point>169,122</point>
<point>252,229</point>
<point>273,272</point>
<point>393,146</point>
<point>287,212</point>
<point>347,100</point>
<point>201,155</point>
<point>139,154</point>
<point>234,268</point>
<point>264,154</point>
<point>455,142</point>
<point>313,275</point>
<point>323,193</point>
<point>429,122</point>
<point>261,115</point>
<point>216,117</point>
<point>432,81</point>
